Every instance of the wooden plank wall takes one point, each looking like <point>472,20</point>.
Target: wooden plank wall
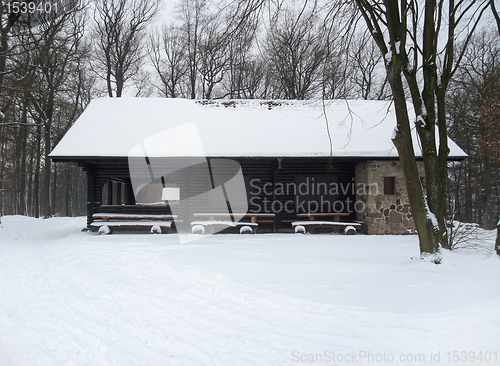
<point>260,170</point>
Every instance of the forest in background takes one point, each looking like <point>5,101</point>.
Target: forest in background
<point>212,50</point>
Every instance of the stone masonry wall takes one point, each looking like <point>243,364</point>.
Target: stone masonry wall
<point>384,213</point>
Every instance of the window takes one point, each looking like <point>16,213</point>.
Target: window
<point>389,185</point>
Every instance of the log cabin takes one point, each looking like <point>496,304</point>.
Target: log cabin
<point>296,160</point>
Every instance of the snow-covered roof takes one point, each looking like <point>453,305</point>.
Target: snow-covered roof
<point>112,127</point>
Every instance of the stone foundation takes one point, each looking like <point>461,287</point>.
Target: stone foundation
<point>384,213</point>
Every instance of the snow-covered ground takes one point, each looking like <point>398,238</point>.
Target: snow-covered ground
<point>73,298</point>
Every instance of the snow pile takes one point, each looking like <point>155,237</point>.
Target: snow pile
<point>156,229</point>
<point>246,230</point>
<point>198,229</point>
<point>104,230</point>
<point>74,298</point>
<point>299,229</point>
<point>350,230</point>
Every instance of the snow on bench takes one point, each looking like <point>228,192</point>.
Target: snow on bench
<point>119,216</point>
<point>131,223</point>
<point>104,223</point>
<point>311,226</point>
<point>199,227</point>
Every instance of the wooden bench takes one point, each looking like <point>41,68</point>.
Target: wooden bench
<point>264,218</point>
<point>106,223</point>
<point>331,226</point>
<point>220,225</point>
<point>255,218</point>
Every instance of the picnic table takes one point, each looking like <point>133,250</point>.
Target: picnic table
<point>254,217</point>
<point>335,215</point>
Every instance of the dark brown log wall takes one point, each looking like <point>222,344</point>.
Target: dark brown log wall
<point>261,170</point>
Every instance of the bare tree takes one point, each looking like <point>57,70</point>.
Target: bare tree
<point>191,14</point>
<point>295,50</point>
<point>246,78</point>
<point>214,55</point>
<point>497,19</point>
<point>244,67</point>
<point>58,43</point>
<point>336,84</point>
<point>410,35</point>
<point>225,49</point>
<point>365,65</point>
<point>471,93</point>
<point>119,31</point>
<point>8,18</point>
<point>207,29</point>
<point>167,55</point>
<point>31,44</point>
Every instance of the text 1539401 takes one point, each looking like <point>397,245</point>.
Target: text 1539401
<point>30,7</point>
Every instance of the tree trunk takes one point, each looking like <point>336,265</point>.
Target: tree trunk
<point>4,46</point>
<point>119,84</point>
<point>109,83</point>
<point>36,188</point>
<point>47,210</point>
<point>192,80</point>
<point>67,193</point>
<point>29,198</point>
<point>441,172</point>
<point>16,176</point>
<point>468,193</point>
<point>497,243</point>
<point>426,228</point>
<point>2,182</point>
<point>90,195</point>
<point>485,192</point>
<point>22,169</point>
<point>54,190</point>
<point>495,14</point>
